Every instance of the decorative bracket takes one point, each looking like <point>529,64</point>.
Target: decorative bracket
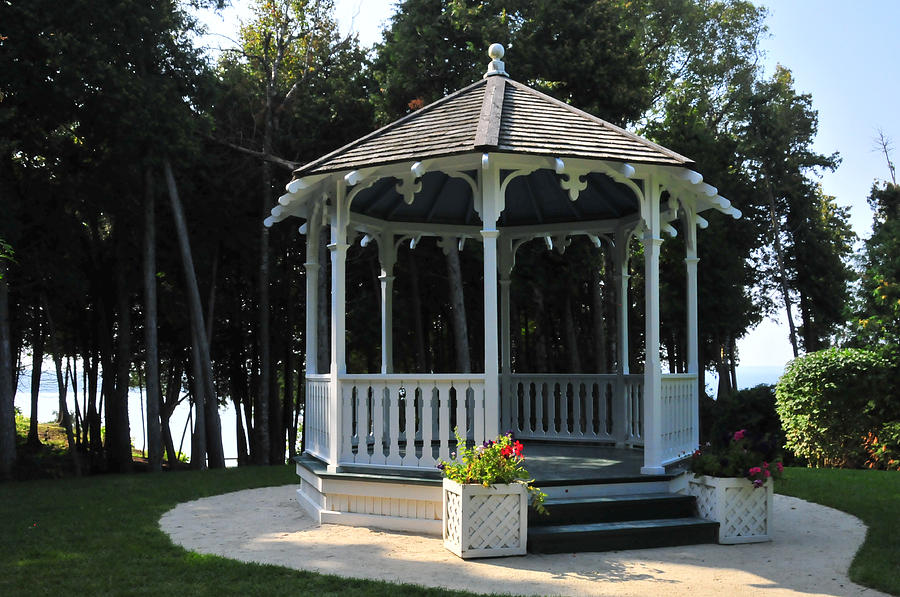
<point>408,186</point>
<point>571,178</point>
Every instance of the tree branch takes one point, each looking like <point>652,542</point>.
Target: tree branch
<point>263,156</point>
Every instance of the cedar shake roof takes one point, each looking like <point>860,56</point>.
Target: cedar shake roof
<point>495,114</point>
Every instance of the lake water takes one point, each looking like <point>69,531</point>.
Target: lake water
<point>48,405</point>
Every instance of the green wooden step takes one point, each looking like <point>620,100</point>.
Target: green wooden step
<point>641,506</point>
<point>620,535</point>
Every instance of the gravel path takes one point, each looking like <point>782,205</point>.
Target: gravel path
<point>812,549</point>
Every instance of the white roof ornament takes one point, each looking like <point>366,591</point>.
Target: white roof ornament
<point>496,66</point>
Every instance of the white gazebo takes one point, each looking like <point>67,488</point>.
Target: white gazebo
<point>501,164</point>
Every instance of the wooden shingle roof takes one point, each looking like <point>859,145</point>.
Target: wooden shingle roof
<point>495,114</point>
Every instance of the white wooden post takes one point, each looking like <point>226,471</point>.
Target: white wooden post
<point>313,230</point>
<point>387,255</point>
<point>621,414</point>
<point>507,397</point>
<point>693,356</point>
<point>338,249</point>
<point>491,206</point>
<point>652,370</point>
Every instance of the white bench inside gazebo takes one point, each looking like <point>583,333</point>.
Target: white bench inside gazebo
<point>500,164</point>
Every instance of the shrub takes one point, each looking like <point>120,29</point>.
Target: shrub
<point>752,409</point>
<point>830,400</point>
<point>883,447</point>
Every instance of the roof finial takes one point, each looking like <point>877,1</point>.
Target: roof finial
<point>496,66</point>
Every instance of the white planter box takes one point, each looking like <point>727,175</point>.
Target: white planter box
<point>744,512</point>
<point>485,522</point>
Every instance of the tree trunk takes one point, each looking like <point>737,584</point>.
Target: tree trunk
<point>7,394</point>
<point>37,359</point>
<point>418,325</point>
<point>261,436</point>
<point>212,420</point>
<point>198,329</point>
<point>601,365</point>
<point>571,336</point>
<point>62,382</point>
<point>151,350</point>
<point>288,407</point>
<point>782,273</point>
<point>118,432</point>
<point>457,308</point>
<point>198,390</point>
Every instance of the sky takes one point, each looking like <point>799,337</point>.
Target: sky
<point>842,53</point>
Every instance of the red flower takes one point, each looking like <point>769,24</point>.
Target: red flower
<point>506,451</point>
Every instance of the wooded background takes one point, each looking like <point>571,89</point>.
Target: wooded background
<point>136,171</point>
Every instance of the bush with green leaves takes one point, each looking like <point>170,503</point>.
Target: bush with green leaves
<point>830,400</point>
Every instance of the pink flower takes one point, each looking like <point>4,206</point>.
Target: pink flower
<point>765,464</point>
<point>739,435</point>
<point>768,474</point>
<point>755,471</point>
<point>780,467</point>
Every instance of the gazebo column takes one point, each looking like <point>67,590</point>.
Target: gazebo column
<point>693,355</point>
<point>652,371</point>
<point>622,417</point>
<point>491,206</point>
<point>387,255</point>
<point>338,248</point>
<point>506,265</point>
<point>313,230</point>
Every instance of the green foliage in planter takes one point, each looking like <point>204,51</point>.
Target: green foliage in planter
<point>494,462</point>
<point>830,400</point>
<point>740,454</point>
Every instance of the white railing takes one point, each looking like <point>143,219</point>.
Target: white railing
<point>408,420</point>
<point>572,407</point>
<point>679,403</point>
<point>633,397</point>
<point>316,418</point>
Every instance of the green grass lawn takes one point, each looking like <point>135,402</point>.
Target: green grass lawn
<point>871,496</point>
<point>100,536</point>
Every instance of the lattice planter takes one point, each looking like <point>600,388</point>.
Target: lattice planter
<point>485,522</point>
<point>744,513</point>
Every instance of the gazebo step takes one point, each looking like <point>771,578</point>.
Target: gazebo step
<point>631,534</point>
<point>586,510</point>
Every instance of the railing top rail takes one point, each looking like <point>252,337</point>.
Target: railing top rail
<point>678,376</point>
<point>408,377</point>
<point>562,375</point>
<point>319,377</point>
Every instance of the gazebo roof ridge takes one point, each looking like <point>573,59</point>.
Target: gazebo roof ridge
<point>496,114</point>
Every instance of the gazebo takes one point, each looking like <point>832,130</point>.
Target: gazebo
<point>501,164</point>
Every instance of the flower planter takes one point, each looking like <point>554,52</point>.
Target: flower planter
<point>744,513</point>
<point>485,522</point>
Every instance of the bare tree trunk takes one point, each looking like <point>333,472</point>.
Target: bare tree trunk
<point>198,329</point>
<point>288,407</point>
<point>62,381</point>
<point>261,437</point>
<point>151,351</point>
<point>540,336</point>
<point>782,274</point>
<point>198,389</point>
<point>213,423</point>
<point>118,432</point>
<point>7,395</point>
<point>457,308</point>
<point>601,365</point>
<point>571,336</point>
<point>37,359</point>
<point>732,362</point>
<point>418,325</point>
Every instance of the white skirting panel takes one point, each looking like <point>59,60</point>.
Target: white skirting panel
<point>394,506</point>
